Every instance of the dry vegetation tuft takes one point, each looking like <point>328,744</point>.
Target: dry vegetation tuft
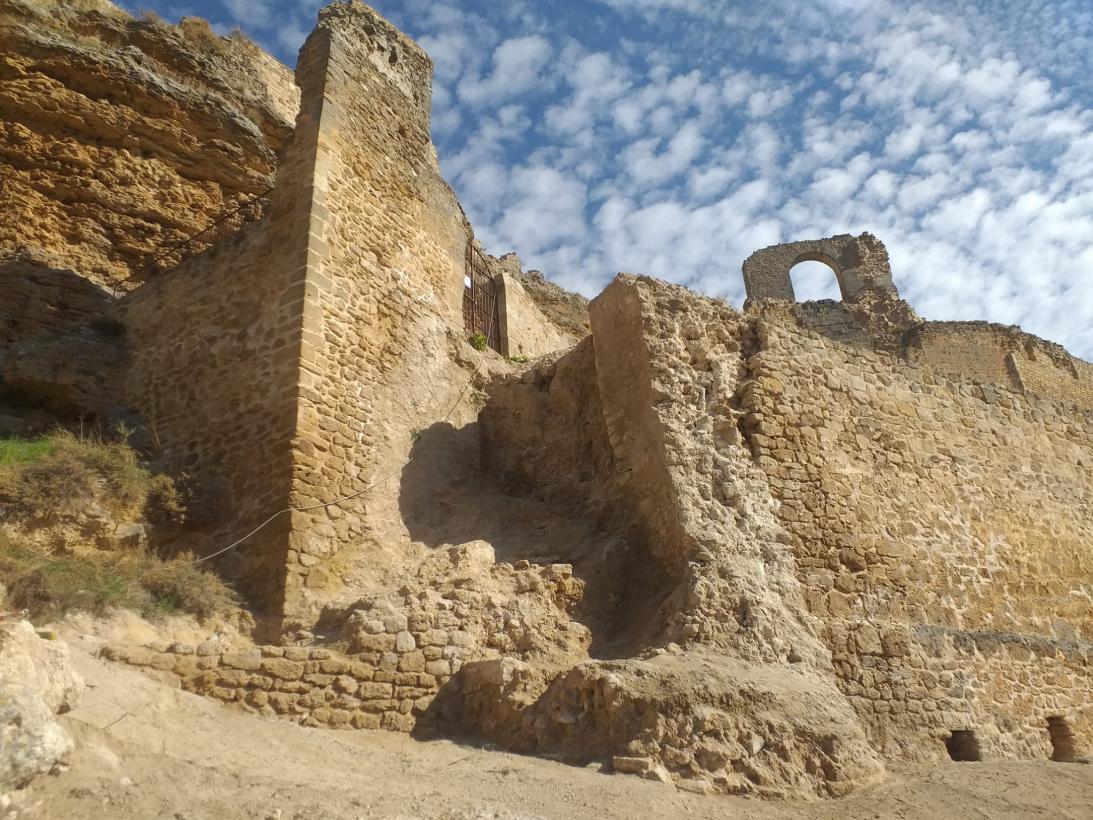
<point>55,476</point>
<point>48,585</point>
<point>198,31</point>
<point>60,477</point>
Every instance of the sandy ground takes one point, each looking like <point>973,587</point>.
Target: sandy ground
<point>145,750</point>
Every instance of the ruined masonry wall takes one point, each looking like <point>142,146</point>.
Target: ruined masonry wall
<point>382,290</point>
<point>316,687</point>
<point>399,655</point>
<point>212,371</point>
<point>943,533</point>
<point>1006,356</point>
<point>857,261</point>
<point>525,331</point>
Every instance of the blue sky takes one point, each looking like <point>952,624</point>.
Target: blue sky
<point>674,137</point>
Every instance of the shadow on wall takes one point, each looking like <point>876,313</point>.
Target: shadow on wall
<point>446,498</point>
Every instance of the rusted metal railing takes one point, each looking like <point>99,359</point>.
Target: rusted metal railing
<point>480,304</point>
<point>227,223</point>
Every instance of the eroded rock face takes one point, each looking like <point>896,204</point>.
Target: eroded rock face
<point>39,295</point>
<point>120,137</point>
<point>74,374</point>
<point>36,682</point>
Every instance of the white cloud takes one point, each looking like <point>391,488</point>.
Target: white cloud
<point>518,66</point>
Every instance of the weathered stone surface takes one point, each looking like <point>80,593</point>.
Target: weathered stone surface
<point>36,682</point>
<point>122,137</point>
<point>282,668</point>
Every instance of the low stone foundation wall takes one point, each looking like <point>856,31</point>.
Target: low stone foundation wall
<point>398,651</point>
<point>315,686</point>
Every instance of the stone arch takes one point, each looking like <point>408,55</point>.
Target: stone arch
<point>822,261</point>
<point>858,262</point>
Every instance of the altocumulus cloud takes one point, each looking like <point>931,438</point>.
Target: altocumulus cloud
<point>674,137</point>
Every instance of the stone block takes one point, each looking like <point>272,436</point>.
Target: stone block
<point>412,662</point>
<point>364,720</point>
<point>334,666</point>
<point>373,691</point>
<point>282,668</point>
<point>374,643</point>
<point>249,661</point>
<point>396,623</point>
<point>440,667</point>
<point>396,722</point>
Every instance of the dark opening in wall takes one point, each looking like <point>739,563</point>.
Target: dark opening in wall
<point>1062,740</point>
<point>963,746</point>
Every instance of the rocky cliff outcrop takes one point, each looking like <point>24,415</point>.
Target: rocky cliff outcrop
<point>120,137</point>
<point>36,682</point>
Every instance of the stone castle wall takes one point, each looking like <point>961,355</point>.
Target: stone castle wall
<point>873,317</point>
<point>859,515</point>
<point>1006,356</point>
<point>325,336</point>
<point>212,363</point>
<point>938,529</point>
<point>942,530</point>
<point>258,363</point>
<point>382,284</point>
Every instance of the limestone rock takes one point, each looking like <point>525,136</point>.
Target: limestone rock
<point>122,137</point>
<point>36,681</point>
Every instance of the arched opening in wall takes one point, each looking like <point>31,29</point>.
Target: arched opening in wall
<point>814,279</point>
<point>1062,740</point>
<point>963,746</point>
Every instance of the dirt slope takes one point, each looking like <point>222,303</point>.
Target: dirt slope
<point>145,750</point>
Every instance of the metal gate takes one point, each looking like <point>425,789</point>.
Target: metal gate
<point>480,308</point>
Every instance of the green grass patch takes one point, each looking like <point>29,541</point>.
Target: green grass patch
<point>24,451</point>
<point>49,585</point>
<point>58,475</point>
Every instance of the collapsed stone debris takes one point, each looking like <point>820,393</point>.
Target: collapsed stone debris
<point>760,552</point>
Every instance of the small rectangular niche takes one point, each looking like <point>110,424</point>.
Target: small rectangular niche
<point>963,746</point>
<point>1062,740</point>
